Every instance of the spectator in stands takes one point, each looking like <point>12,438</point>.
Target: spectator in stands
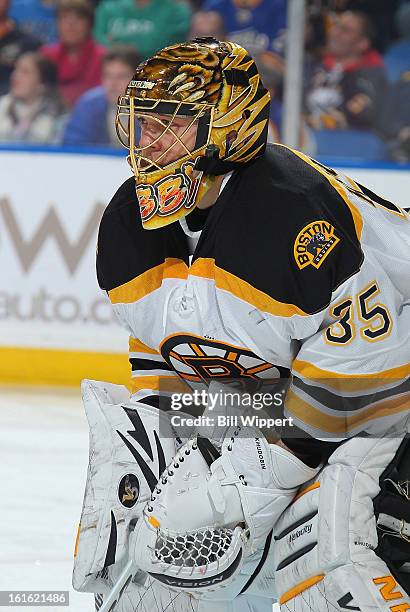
<point>395,119</point>
<point>77,56</point>
<point>207,23</point>
<point>397,57</point>
<point>381,12</point>
<point>13,42</point>
<point>346,90</point>
<point>32,111</point>
<point>93,119</point>
<point>271,69</point>
<point>148,25</point>
<point>36,17</point>
<point>257,25</point>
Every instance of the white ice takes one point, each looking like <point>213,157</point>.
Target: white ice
<point>43,463</point>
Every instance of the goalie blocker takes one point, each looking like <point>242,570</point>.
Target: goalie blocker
<point>127,455</point>
<point>130,444</point>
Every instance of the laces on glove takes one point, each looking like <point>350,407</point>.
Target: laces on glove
<point>169,473</point>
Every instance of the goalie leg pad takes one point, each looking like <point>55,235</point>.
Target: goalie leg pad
<point>129,446</point>
<point>392,508</point>
<point>325,541</point>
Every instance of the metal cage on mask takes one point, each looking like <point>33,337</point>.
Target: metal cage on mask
<point>214,85</point>
<point>165,191</point>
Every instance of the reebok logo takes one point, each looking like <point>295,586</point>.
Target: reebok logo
<point>300,532</point>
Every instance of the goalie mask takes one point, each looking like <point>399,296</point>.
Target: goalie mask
<point>192,111</point>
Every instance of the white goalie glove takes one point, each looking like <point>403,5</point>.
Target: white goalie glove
<point>130,445</point>
<point>326,541</point>
<point>212,511</point>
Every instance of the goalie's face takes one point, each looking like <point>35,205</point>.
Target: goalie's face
<point>165,139</point>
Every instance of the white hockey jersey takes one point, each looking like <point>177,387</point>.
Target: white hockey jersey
<point>298,270</point>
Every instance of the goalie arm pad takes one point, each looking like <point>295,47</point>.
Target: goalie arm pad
<point>325,541</point>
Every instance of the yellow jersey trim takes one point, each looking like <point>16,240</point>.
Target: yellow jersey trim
<point>206,268</point>
<point>136,346</point>
<point>144,284</point>
<point>328,423</point>
<point>299,588</point>
<point>344,382</point>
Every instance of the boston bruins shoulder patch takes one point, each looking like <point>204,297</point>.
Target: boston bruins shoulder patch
<point>314,243</point>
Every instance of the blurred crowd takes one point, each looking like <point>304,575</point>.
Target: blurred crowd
<point>63,64</point>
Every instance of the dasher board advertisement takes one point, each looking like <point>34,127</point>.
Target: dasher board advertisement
<point>54,319</point>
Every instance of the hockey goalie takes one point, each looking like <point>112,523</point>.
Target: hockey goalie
<point>234,264</point>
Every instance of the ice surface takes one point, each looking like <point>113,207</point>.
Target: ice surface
<point>43,460</point>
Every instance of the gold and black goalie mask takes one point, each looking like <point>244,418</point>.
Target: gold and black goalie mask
<point>190,112</point>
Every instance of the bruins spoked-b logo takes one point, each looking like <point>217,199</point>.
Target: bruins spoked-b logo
<point>314,243</point>
<point>129,490</point>
<point>199,360</point>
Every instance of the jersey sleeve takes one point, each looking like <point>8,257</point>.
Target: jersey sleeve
<point>125,251</point>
